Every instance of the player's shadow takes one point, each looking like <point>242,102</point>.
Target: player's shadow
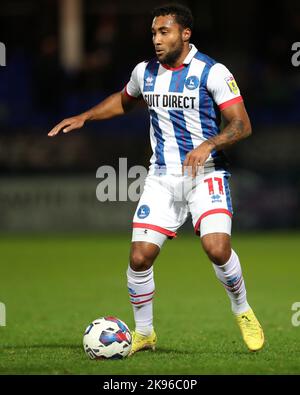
<point>37,346</point>
<point>163,350</point>
<point>159,350</point>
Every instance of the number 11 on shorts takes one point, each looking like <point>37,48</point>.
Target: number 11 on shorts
<point>210,183</point>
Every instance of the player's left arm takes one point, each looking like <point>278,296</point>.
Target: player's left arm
<point>225,92</point>
<point>237,127</point>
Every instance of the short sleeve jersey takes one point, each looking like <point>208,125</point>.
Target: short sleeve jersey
<point>184,105</point>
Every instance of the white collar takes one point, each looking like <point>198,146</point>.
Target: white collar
<point>191,54</point>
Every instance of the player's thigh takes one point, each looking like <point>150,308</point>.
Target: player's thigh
<point>158,214</point>
<point>210,204</point>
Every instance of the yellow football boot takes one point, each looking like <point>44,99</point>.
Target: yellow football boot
<point>141,342</point>
<point>251,329</point>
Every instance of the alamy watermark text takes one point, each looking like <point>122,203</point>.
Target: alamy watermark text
<point>2,54</point>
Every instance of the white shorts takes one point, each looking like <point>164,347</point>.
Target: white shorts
<point>168,200</point>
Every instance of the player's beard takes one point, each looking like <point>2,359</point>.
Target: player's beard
<point>171,57</point>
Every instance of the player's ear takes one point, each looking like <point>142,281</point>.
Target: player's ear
<point>186,34</point>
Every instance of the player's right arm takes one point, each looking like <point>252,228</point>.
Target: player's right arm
<point>115,105</point>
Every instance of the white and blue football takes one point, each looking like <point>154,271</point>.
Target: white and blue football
<point>107,338</point>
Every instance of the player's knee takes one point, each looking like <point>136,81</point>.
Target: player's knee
<point>141,259</point>
<point>219,253</point>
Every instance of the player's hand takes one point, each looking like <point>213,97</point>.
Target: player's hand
<point>68,124</point>
<point>196,158</point>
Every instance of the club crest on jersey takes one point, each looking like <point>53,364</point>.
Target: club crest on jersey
<point>149,81</point>
<point>230,81</point>
<point>143,211</point>
<point>192,82</point>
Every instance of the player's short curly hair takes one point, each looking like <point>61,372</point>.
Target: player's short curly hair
<point>183,14</point>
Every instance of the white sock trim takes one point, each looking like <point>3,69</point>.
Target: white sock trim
<point>226,265</point>
<point>139,276</point>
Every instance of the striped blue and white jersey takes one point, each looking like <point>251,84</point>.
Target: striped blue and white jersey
<point>184,105</point>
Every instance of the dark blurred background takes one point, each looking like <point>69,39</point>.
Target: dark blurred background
<point>64,56</point>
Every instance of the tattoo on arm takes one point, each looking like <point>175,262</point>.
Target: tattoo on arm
<point>231,134</point>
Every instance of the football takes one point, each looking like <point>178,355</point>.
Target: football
<point>107,338</point>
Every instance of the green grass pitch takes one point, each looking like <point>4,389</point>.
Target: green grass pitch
<point>54,286</point>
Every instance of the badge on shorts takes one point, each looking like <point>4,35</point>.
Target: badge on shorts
<point>192,82</point>
<point>143,211</point>
<point>230,81</point>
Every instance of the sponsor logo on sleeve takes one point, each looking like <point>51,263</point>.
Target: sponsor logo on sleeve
<point>230,81</point>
